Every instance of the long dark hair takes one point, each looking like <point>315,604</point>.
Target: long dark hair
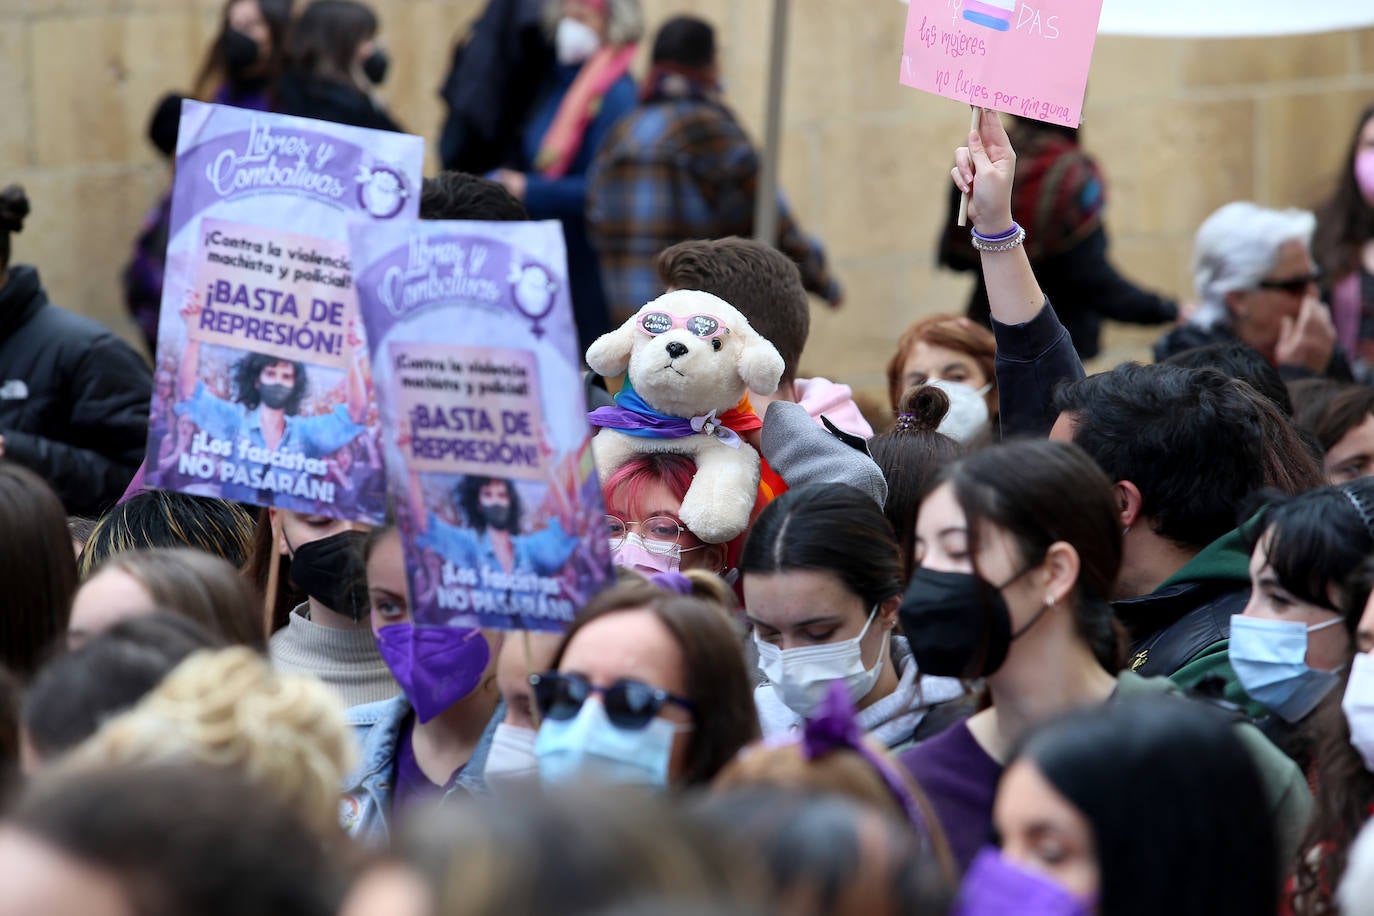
<point>468,494</point>
<point>326,39</point>
<point>911,456</point>
<point>1345,786</point>
<point>277,15</point>
<point>1344,796</point>
<point>1042,492</point>
<point>1175,803</point>
<point>248,370</point>
<point>713,669</point>
<point>832,528</point>
<point>1346,221</point>
<point>1317,541</point>
<point>37,565</point>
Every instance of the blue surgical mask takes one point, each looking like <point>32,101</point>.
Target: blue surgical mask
<point>1269,657</point>
<point>589,747</point>
<point>995,886</point>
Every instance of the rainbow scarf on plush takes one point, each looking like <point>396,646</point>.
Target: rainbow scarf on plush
<point>580,105</point>
<point>633,416</point>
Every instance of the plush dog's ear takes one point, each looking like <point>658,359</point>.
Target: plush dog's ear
<point>760,363</point>
<point>609,354</point>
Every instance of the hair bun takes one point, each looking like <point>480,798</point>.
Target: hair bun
<point>921,409</point>
<point>14,206</point>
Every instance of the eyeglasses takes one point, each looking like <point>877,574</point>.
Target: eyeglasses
<point>1294,286</point>
<point>703,326</point>
<point>660,532</point>
<point>629,704</point>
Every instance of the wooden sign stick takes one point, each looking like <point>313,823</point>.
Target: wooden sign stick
<point>964,198</point>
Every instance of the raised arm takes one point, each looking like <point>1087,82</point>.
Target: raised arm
<point>357,385</point>
<point>986,168</point>
<point>1034,352</point>
<point>190,356</point>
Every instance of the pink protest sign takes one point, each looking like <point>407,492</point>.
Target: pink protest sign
<point>1027,58</point>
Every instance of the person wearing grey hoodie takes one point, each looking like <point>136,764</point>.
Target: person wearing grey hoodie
<point>822,583</point>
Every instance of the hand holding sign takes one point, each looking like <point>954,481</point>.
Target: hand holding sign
<point>984,169</point>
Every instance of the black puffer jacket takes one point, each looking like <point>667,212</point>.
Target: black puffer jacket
<point>73,397</point>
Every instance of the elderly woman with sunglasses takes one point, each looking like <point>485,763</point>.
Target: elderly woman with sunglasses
<point>1258,283</point>
<point>648,688</point>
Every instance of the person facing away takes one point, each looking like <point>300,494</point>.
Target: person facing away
<point>680,167</point>
<point>73,396</point>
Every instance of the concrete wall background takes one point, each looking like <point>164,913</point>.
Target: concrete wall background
<point>1180,127</point>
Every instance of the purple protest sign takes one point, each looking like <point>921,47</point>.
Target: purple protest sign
<point>483,412</point>
<point>264,389</point>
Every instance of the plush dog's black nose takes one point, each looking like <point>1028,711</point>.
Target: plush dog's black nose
<point>676,349</point>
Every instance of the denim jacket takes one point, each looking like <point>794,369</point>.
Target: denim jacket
<point>365,808</point>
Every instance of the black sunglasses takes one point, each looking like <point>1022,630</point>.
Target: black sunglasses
<point>1294,286</point>
<point>629,704</point>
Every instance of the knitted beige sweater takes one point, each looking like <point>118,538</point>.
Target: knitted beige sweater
<point>346,660</point>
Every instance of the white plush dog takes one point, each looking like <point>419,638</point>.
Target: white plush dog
<point>690,356</point>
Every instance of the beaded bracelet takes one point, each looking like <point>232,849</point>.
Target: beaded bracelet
<point>1003,241</point>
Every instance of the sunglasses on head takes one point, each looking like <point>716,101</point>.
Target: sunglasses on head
<point>629,704</point>
<point>1294,286</point>
<point>703,326</point>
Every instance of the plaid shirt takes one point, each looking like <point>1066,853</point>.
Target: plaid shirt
<point>674,170</point>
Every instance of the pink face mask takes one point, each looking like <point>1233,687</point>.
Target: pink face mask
<point>1364,173</point>
<point>633,554</point>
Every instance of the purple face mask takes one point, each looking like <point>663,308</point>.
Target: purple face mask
<point>435,666</point>
<point>994,886</point>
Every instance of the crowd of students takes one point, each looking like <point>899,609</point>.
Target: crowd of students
<point>1050,644</point>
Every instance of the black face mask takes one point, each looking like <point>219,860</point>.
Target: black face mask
<point>374,68</point>
<point>274,396</point>
<point>496,516</point>
<point>958,624</point>
<point>239,53</point>
<point>331,571</point>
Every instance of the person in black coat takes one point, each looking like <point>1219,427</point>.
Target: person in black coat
<point>73,396</point>
<point>333,65</point>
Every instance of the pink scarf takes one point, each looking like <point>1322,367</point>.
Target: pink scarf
<point>580,105</point>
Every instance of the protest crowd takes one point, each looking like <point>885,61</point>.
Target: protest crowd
<point>716,640</point>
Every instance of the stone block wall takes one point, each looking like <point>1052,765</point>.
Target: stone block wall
<point>1180,127</point>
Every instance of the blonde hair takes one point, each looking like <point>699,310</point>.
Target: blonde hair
<point>228,709</point>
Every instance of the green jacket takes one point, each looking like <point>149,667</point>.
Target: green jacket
<point>1180,630</point>
<point>1290,800</point>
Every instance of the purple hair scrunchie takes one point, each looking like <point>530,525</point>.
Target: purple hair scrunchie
<point>672,581</point>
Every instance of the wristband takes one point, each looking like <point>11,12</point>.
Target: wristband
<point>999,237</point>
<point>1004,241</point>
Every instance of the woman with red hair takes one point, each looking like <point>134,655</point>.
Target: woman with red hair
<point>957,356</point>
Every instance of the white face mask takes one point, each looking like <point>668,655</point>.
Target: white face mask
<point>802,676</point>
<point>510,760</point>
<point>575,42</point>
<point>1358,706</point>
<point>968,410</point>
